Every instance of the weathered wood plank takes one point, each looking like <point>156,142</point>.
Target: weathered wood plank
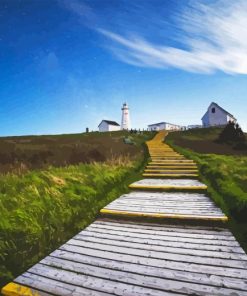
<point>173,170</point>
<point>172,182</point>
<point>164,205</point>
<point>168,237</point>
<point>56,287</point>
<point>206,279</point>
<point>162,263</point>
<point>142,280</point>
<point>167,227</point>
<point>164,211</point>
<point>173,161</point>
<point>170,175</point>
<point>184,246</point>
<point>161,216</point>
<point>241,264</point>
<point>177,203</point>
<point>102,285</point>
<point>167,195</point>
<point>161,232</point>
<point>175,250</point>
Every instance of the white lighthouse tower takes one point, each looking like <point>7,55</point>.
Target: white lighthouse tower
<point>125,125</point>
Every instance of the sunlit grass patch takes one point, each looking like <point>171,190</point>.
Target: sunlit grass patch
<point>226,178</point>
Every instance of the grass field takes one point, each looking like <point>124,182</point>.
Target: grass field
<point>20,154</point>
<point>42,208</point>
<point>225,174</point>
<point>202,140</point>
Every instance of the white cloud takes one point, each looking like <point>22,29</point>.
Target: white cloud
<point>214,37</point>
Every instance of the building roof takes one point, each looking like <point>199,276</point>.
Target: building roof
<point>159,123</point>
<point>110,122</point>
<point>220,109</point>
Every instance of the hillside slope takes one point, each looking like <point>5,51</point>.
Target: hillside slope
<point>18,154</point>
<point>204,141</point>
<point>224,172</point>
<point>42,208</point>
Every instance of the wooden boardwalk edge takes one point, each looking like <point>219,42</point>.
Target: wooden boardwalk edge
<point>161,216</point>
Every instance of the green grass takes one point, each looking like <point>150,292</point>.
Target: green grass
<point>20,154</point>
<point>42,209</point>
<point>226,177</point>
<point>200,134</point>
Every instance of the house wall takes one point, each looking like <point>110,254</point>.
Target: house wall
<point>154,128</point>
<point>104,127</point>
<point>230,118</point>
<point>205,120</point>
<point>169,127</point>
<point>219,117</point>
<point>113,128</point>
<point>162,126</point>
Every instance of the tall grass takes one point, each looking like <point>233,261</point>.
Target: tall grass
<point>226,178</point>
<point>40,210</point>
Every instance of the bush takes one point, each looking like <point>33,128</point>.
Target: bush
<point>232,134</point>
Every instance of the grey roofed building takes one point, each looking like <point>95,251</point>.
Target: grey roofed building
<point>109,122</point>
<point>108,126</point>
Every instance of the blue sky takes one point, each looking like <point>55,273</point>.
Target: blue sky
<point>67,64</point>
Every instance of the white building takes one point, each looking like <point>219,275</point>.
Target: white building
<point>125,124</point>
<point>108,126</point>
<point>216,116</point>
<point>163,126</point>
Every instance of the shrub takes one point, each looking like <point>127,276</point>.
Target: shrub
<point>232,134</point>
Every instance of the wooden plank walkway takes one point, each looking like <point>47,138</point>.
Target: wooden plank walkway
<point>165,205</point>
<point>133,258</point>
<point>168,184</point>
<point>121,258</point>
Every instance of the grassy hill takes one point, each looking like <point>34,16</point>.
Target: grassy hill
<point>223,169</point>
<point>43,203</point>
<point>204,141</point>
<point>18,154</point>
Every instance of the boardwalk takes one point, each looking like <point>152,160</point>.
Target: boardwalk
<point>148,242</point>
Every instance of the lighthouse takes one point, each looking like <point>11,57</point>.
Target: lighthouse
<point>125,125</point>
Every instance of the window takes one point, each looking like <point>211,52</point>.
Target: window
<point>213,110</point>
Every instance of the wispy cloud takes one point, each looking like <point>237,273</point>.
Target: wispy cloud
<point>212,37</point>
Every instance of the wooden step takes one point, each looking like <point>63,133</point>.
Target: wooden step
<point>171,171</point>
<point>171,167</point>
<point>155,205</point>
<point>168,184</point>
<point>170,175</point>
<point>172,162</point>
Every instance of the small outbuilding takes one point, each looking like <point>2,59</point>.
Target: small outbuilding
<point>108,126</point>
<point>163,126</point>
<point>216,116</point>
